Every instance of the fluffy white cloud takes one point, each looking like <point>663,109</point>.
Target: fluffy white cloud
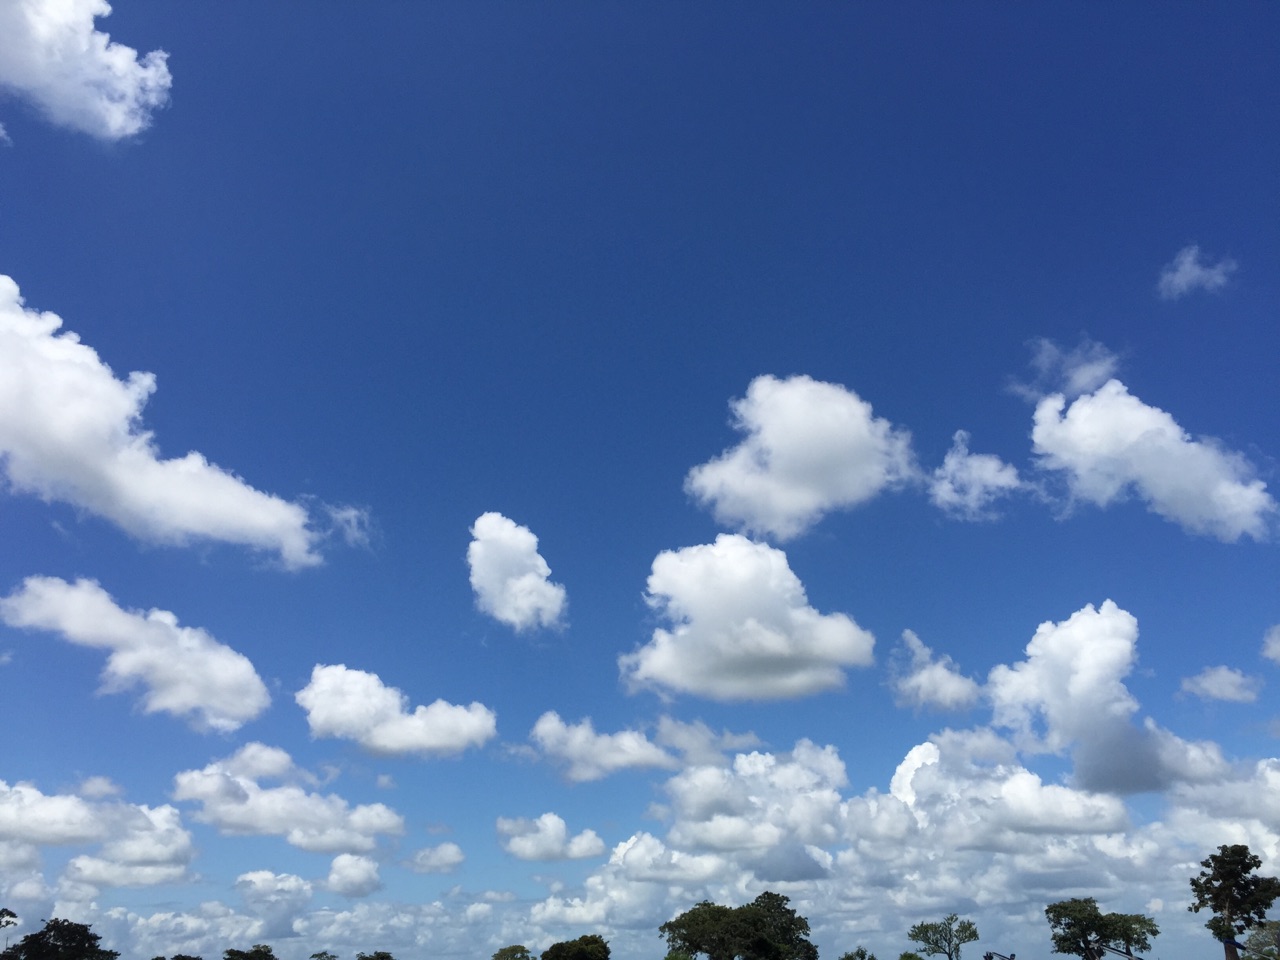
<point>698,744</point>
<point>811,447</point>
<point>51,55</point>
<point>547,838</point>
<point>147,846</point>
<point>353,875</point>
<point>1271,644</point>
<point>232,800</point>
<point>968,484</point>
<point>510,577</point>
<point>1222,683</point>
<point>356,705</point>
<point>31,817</point>
<point>185,671</point>
<point>276,898</point>
<point>1109,443</point>
<point>587,755</point>
<point>70,431</point>
<point>928,681</point>
<point>1186,274</point>
<point>743,627</point>
<point>442,858</point>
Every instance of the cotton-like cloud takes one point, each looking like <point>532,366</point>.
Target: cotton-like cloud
<point>1271,644</point>
<point>1109,443</point>
<point>587,755</point>
<point>929,681</point>
<point>185,671</point>
<point>510,577</point>
<point>968,484</point>
<point>355,705</point>
<point>1082,369</point>
<point>232,799</point>
<point>1222,683</point>
<point>698,744</point>
<point>29,816</point>
<point>742,628</point>
<point>811,447</point>
<point>353,875</point>
<point>1186,274</point>
<point>51,56</point>
<point>276,898</point>
<point>442,858</point>
<point>70,431</point>
<point>547,838</point>
<point>147,846</point>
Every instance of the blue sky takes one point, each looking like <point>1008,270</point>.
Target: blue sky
<point>487,473</point>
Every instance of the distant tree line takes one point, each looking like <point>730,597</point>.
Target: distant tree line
<point>768,928</point>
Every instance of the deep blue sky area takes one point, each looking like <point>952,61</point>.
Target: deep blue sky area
<point>549,510</point>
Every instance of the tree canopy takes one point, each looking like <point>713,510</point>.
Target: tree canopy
<point>259,951</point>
<point>1237,896</point>
<point>944,937</point>
<point>1078,926</point>
<point>767,928</point>
<point>589,947</point>
<point>517,951</point>
<point>1264,940</point>
<point>60,940</point>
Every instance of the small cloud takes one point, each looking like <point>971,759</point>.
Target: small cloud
<point>968,484</point>
<point>511,579</point>
<point>1080,370</point>
<point>353,875</point>
<point>97,788</point>
<point>1222,683</point>
<point>929,681</point>
<point>587,755</point>
<point>1186,274</point>
<point>547,838</point>
<point>442,858</point>
<point>1271,644</point>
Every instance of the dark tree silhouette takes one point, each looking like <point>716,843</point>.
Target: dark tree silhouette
<point>1237,896</point>
<point>60,940</point>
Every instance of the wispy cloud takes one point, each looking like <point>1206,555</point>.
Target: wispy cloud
<point>1187,273</point>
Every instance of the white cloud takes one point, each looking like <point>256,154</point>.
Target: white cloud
<point>547,838</point>
<point>185,671</point>
<point>97,788</point>
<point>587,755</point>
<point>355,705</point>
<point>1271,644</point>
<point>442,858</point>
<point>147,846</point>
<point>510,577</point>
<point>926,681</point>
<point>698,744</point>
<point>71,432</point>
<point>232,800</point>
<point>968,484</point>
<point>811,447</point>
<point>276,898</point>
<point>1082,369</point>
<point>51,55</point>
<point>1186,274</point>
<point>29,816</point>
<point>743,628</point>
<point>1109,443</point>
<point>353,875</point>
<point>1222,683</point>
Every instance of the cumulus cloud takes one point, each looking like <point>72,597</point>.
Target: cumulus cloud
<point>1271,644</point>
<point>967,485</point>
<point>52,56</point>
<point>232,799</point>
<point>510,578</point>
<point>811,447</point>
<point>1186,273</point>
<point>29,816</point>
<point>742,628</point>
<point>1109,443</point>
<point>353,875</point>
<point>1082,369</point>
<point>587,755</point>
<point>924,680</point>
<point>70,431</point>
<point>355,705</point>
<point>1222,683</point>
<point>277,898</point>
<point>146,846</point>
<point>442,858</point>
<point>185,671</point>
<point>698,744</point>
<point>547,838</point>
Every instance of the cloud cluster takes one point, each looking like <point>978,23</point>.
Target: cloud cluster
<point>547,838</point>
<point>52,55</point>
<point>1109,443</point>
<point>356,705</point>
<point>967,485</point>
<point>510,578</point>
<point>587,755</point>
<point>811,447</point>
<point>185,671</point>
<point>742,628</point>
<point>353,875</point>
<point>232,799</point>
<point>928,681</point>
<point>1186,273</point>
<point>70,431</point>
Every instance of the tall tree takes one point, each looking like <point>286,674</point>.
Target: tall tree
<point>380,955</point>
<point>7,918</point>
<point>589,947</point>
<point>703,928</point>
<point>60,940</point>
<point>517,951</point>
<point>767,928</point>
<point>944,937</point>
<point>1237,896</point>
<point>1078,928</point>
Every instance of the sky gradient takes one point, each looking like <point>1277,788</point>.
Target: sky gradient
<point>486,473</point>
